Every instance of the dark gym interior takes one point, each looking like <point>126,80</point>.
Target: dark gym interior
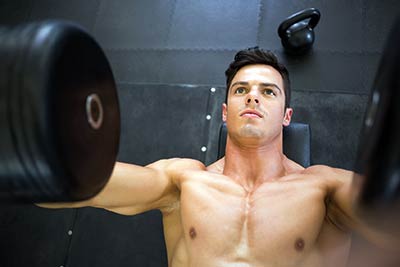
<point>168,58</point>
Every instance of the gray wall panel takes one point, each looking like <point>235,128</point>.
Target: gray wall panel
<point>163,121</point>
<point>103,238</point>
<point>217,97</point>
<point>336,121</point>
<point>81,12</point>
<point>327,72</point>
<point>211,25</point>
<point>195,66</point>
<point>370,64</point>
<point>13,12</point>
<point>127,24</point>
<point>136,66</point>
<point>340,24</point>
<point>379,16</point>
<point>34,236</point>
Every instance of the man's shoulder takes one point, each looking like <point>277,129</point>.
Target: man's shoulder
<point>325,170</point>
<point>178,168</point>
<point>333,178</point>
<point>177,164</point>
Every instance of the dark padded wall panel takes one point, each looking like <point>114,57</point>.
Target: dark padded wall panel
<point>103,238</point>
<point>81,12</point>
<point>215,110</point>
<point>332,72</point>
<point>170,66</point>
<point>136,66</point>
<point>334,139</point>
<point>195,66</point>
<point>379,16</point>
<point>34,236</point>
<point>13,12</point>
<point>165,121</point>
<point>126,24</point>
<point>211,25</point>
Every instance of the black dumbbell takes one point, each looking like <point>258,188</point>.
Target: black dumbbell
<point>378,163</point>
<point>59,113</point>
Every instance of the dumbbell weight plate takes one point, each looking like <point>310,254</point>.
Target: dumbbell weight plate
<point>378,163</point>
<point>63,157</point>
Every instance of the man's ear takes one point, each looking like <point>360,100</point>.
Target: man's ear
<point>288,116</point>
<point>224,112</point>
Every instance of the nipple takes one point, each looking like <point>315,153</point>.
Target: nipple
<point>299,244</point>
<point>192,233</point>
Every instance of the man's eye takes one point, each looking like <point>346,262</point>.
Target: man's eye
<point>269,92</point>
<point>240,90</point>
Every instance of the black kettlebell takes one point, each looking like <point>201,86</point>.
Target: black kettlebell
<point>296,32</point>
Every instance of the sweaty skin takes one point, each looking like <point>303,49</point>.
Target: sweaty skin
<point>284,221</point>
<point>254,207</point>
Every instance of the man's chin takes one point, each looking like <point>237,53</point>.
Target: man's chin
<point>250,131</point>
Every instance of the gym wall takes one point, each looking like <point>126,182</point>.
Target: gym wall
<point>167,55</point>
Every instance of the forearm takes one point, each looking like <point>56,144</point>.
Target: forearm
<point>131,189</point>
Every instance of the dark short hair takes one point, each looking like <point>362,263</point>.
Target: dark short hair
<point>252,56</point>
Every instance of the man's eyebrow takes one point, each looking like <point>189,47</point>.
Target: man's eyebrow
<point>262,84</point>
<point>239,83</point>
<point>271,84</point>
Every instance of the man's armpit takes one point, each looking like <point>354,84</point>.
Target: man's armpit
<point>337,217</point>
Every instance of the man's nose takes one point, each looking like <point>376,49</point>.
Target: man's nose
<point>252,99</point>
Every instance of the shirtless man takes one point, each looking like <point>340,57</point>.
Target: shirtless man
<point>255,207</point>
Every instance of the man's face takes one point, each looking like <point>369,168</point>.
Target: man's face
<point>256,104</point>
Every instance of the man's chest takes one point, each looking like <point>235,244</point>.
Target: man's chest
<point>275,217</point>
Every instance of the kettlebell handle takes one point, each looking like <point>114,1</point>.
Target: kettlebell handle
<point>312,13</point>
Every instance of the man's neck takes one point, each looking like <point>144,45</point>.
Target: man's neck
<point>251,166</point>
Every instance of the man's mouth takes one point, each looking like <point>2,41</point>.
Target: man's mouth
<point>251,114</point>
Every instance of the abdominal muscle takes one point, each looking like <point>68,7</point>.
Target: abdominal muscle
<point>218,223</point>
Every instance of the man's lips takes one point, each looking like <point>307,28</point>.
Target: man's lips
<point>251,114</point>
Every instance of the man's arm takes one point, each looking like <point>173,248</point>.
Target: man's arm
<point>342,194</point>
<point>133,189</point>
